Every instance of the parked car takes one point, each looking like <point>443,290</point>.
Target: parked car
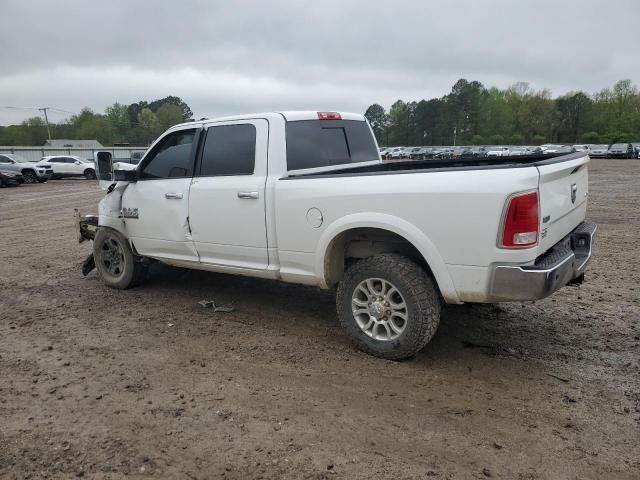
<point>443,153</point>
<point>10,178</point>
<point>395,153</point>
<point>549,148</point>
<point>133,159</point>
<point>479,151</point>
<point>636,146</point>
<point>621,150</point>
<point>599,151</point>
<point>406,153</point>
<point>69,166</point>
<point>272,196</point>
<point>563,149</point>
<point>32,172</point>
<point>517,151</point>
<point>421,153</point>
<point>581,148</point>
<point>498,152</point>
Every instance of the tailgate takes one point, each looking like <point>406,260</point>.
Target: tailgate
<point>564,185</point>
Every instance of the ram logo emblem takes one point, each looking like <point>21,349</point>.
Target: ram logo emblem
<point>574,192</point>
<point>130,212</point>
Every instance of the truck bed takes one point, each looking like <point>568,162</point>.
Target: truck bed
<point>411,166</point>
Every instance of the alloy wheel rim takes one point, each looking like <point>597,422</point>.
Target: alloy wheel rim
<point>113,257</point>
<point>379,309</point>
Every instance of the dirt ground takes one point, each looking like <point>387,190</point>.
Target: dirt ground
<point>107,384</point>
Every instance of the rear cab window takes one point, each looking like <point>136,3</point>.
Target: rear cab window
<point>325,143</point>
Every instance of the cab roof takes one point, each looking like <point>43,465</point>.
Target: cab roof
<point>289,116</point>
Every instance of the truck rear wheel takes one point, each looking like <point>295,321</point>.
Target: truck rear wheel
<point>115,261</point>
<point>389,306</point>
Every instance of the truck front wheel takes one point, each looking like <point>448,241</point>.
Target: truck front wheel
<point>115,261</point>
<point>389,306</point>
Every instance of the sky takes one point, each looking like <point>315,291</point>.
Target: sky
<point>227,57</point>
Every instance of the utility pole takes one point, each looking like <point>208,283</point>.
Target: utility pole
<point>455,131</point>
<point>46,120</point>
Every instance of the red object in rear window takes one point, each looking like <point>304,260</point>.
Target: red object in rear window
<point>329,116</point>
<point>520,224</point>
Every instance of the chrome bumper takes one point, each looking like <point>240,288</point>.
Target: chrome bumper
<point>564,263</point>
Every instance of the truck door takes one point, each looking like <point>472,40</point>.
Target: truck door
<point>227,197</point>
<point>156,206</point>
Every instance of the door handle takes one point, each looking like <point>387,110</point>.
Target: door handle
<point>252,195</point>
<point>173,196</point>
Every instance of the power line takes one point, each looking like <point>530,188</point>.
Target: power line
<point>40,109</point>
<point>37,108</point>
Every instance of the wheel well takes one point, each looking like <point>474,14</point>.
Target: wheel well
<point>355,244</point>
<point>28,170</point>
<point>89,169</point>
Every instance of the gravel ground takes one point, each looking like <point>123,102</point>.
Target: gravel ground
<point>142,383</point>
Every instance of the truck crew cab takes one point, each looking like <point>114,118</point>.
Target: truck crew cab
<point>304,197</point>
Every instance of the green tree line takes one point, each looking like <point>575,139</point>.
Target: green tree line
<point>472,114</point>
<point>136,124</point>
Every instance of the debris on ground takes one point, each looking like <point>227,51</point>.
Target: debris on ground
<point>211,304</point>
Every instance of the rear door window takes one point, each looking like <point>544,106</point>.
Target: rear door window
<point>229,150</point>
<point>323,143</point>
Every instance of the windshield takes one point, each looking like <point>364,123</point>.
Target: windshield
<point>619,145</point>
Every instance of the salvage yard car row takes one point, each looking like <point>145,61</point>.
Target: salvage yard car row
<point>15,170</point>
<point>616,150</point>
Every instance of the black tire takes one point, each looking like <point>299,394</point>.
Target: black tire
<point>89,174</point>
<point>43,179</point>
<point>29,176</point>
<point>115,262</point>
<point>418,292</point>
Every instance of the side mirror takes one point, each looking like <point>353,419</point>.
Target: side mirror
<point>104,166</point>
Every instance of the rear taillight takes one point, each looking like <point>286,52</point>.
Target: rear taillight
<point>329,116</point>
<point>520,224</point>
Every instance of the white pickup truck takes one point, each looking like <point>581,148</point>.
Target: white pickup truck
<point>304,197</point>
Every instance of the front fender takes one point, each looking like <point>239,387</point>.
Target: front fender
<point>395,225</point>
<point>110,209</point>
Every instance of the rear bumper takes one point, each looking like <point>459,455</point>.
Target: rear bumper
<point>565,262</point>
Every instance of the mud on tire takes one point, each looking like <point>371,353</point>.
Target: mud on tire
<point>406,283</point>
